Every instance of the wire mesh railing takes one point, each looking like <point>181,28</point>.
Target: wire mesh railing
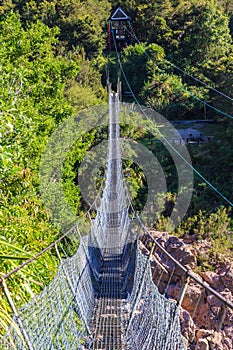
<point>153,321</point>
<point>60,316</point>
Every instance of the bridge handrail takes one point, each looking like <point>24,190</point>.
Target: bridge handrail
<point>52,245</point>
<point>186,271</point>
<point>7,275</point>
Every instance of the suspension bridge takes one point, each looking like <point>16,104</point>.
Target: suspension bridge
<point>107,293</point>
<point>104,295</point>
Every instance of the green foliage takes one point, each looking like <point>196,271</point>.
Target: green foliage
<point>216,229</point>
<point>152,81</point>
<point>167,94</point>
<point>86,89</point>
<point>202,44</point>
<point>5,6</point>
<point>137,65</point>
<point>71,168</point>
<point>34,84</point>
<point>205,226</point>
<point>81,23</point>
<point>200,32</point>
<point>195,35</point>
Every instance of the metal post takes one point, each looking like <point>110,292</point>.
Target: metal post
<point>198,301</point>
<point>183,291</point>
<point>16,315</point>
<point>169,281</point>
<point>223,317</point>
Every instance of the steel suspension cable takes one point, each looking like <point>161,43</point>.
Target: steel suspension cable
<point>164,138</point>
<point>50,246</point>
<point>196,79</point>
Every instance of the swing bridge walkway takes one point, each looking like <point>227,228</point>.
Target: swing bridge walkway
<point>104,294</point>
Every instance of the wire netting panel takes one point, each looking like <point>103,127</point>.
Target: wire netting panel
<point>154,321</point>
<point>57,318</point>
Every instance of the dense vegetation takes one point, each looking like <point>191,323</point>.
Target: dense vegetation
<point>52,64</point>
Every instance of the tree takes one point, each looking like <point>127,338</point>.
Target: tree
<point>202,34</point>
<point>81,23</point>
<point>32,86</point>
<point>152,81</point>
<point>5,5</point>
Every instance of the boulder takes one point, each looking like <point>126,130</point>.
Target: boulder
<point>181,252</point>
<point>203,333</point>
<point>202,316</point>
<point>213,279</point>
<point>213,301</point>
<point>227,343</point>
<point>216,341</point>
<point>226,275</point>
<point>193,297</point>
<point>227,294</point>
<point>188,328</point>
<point>228,330</point>
<point>202,344</point>
<point>173,290</point>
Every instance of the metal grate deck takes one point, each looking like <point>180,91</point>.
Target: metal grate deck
<point>108,333</point>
